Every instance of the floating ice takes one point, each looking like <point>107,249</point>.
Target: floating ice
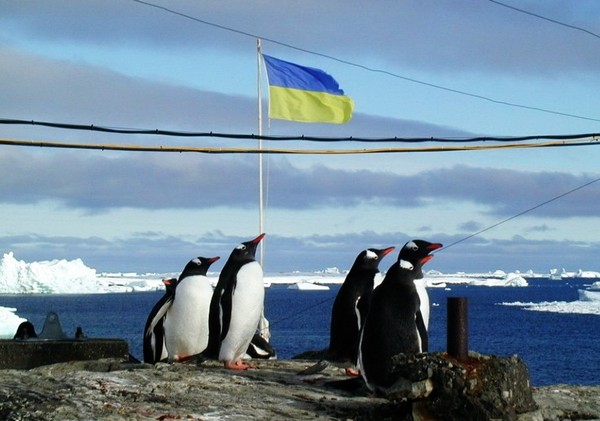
<point>10,322</point>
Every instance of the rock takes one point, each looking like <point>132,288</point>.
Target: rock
<point>481,388</point>
<point>113,389</point>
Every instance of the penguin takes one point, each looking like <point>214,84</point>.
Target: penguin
<point>186,320</point>
<point>154,347</point>
<point>52,328</point>
<point>26,330</point>
<point>260,348</point>
<point>394,323</point>
<point>346,314</point>
<point>236,306</point>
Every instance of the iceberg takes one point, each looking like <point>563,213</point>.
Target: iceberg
<point>588,303</point>
<point>589,295</point>
<point>10,322</point>
<point>308,286</point>
<point>67,277</point>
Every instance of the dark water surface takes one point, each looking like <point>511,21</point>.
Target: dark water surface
<point>557,348</point>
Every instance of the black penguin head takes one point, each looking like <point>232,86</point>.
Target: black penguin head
<point>25,331</point>
<point>369,259</point>
<point>246,251</point>
<point>170,285</point>
<point>415,254</point>
<point>198,266</point>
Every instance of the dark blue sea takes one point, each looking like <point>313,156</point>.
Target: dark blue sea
<point>557,348</point>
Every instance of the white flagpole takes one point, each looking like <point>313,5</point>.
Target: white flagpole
<point>260,157</point>
<point>263,325</point>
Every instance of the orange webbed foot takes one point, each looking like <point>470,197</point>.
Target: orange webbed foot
<point>237,365</point>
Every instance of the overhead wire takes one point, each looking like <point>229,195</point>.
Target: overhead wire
<point>256,150</point>
<point>394,139</point>
<point>364,67</point>
<point>539,205</point>
<point>577,28</point>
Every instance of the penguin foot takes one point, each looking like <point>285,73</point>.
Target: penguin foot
<point>237,365</point>
<point>350,371</point>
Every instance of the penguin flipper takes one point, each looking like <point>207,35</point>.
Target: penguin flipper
<point>422,330</point>
<point>314,369</point>
<point>215,323</point>
<point>158,316</point>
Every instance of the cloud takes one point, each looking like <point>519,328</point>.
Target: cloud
<point>156,252</point>
<point>458,37</point>
<point>539,228</point>
<point>470,226</point>
<point>96,181</point>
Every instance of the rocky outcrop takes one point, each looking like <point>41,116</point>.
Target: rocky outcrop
<point>480,388</point>
<point>115,390</point>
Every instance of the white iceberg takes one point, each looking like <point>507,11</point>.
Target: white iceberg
<point>10,322</point>
<point>67,277</point>
<point>308,286</point>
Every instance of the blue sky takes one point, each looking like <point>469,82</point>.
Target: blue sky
<point>127,64</point>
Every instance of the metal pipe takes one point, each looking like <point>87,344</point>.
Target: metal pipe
<point>458,328</point>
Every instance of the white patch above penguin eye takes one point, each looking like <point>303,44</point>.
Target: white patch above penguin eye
<point>241,247</point>
<point>197,261</point>
<point>371,255</point>
<point>404,264</point>
<point>412,245</point>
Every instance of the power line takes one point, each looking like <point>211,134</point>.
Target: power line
<point>239,136</point>
<point>539,205</point>
<point>577,28</point>
<point>221,150</point>
<point>364,67</point>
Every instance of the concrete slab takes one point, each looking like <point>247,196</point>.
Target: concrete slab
<point>30,353</point>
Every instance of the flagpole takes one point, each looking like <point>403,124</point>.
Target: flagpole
<point>260,155</point>
<point>263,325</point>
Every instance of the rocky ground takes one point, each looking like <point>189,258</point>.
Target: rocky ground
<point>114,390</point>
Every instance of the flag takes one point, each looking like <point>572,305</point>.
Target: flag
<point>305,94</point>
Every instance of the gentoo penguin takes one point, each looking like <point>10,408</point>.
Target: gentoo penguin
<point>154,332</point>
<point>52,328</point>
<point>186,320</point>
<point>260,348</point>
<point>394,323</point>
<point>236,306</point>
<point>346,315</point>
<point>26,330</point>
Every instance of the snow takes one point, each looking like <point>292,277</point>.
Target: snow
<point>74,277</point>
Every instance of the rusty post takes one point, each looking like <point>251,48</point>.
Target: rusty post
<point>458,328</point>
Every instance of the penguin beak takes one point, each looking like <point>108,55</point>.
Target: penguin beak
<point>385,252</point>
<point>430,248</point>
<point>258,239</point>
<point>214,259</point>
<point>169,282</point>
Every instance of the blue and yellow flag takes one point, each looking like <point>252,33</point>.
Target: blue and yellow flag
<point>305,94</point>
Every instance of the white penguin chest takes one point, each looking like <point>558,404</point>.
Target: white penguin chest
<point>249,292</point>
<point>246,309</point>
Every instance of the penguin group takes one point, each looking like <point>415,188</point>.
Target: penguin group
<point>191,320</point>
<point>370,321</point>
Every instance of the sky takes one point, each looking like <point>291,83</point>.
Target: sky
<point>432,69</point>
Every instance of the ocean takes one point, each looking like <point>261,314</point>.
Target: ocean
<point>557,347</point>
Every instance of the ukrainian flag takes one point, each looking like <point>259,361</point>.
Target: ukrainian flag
<point>305,94</point>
